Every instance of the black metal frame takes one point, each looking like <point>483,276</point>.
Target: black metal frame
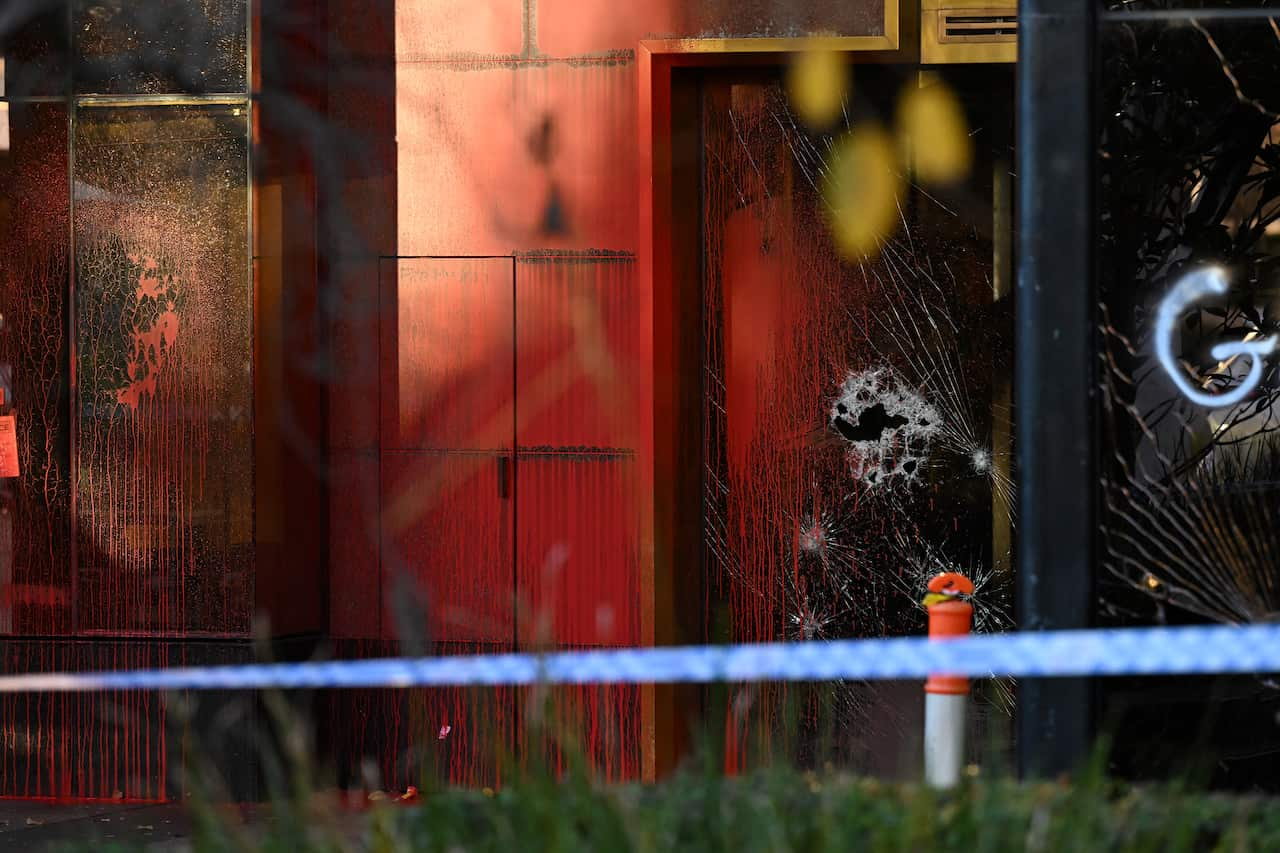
<point>1055,366</point>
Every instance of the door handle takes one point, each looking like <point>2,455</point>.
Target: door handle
<point>504,477</point>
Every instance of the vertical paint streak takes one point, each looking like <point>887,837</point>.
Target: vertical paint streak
<point>577,541</point>
<point>35,579</point>
<point>161,515</point>
<point>83,746</point>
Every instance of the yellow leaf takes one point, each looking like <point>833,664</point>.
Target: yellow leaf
<point>934,134</point>
<point>862,190</point>
<point>816,84</point>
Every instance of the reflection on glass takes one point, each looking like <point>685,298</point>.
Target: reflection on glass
<point>163,353</point>
<point>124,46</point>
<point>34,48</point>
<point>1189,182</point>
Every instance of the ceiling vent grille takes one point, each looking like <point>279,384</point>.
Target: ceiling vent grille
<point>988,26</point>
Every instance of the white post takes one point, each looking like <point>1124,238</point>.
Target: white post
<point>946,696</point>
<point>944,729</point>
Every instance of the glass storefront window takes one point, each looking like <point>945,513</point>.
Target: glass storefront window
<point>1188,263</point>
<point>127,340</point>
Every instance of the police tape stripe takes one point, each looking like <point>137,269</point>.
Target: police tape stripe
<point>1130,651</point>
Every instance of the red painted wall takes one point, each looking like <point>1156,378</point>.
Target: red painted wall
<point>515,132</point>
<point>453,280</point>
<point>515,135</point>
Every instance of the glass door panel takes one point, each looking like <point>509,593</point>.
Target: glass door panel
<point>855,404</point>
<point>163,451</point>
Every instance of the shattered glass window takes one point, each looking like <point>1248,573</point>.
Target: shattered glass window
<point>1188,235</point>
<point>1190,196</point>
<point>856,417</point>
<point>127,47</point>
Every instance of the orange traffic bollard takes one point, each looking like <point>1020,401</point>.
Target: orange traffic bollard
<point>946,696</point>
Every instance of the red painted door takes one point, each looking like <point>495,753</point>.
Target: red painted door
<point>577,544</point>
<point>508,510</point>
<point>448,434</point>
<point>447,494</point>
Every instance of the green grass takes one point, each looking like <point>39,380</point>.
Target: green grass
<point>699,809</point>
<point>782,810</point>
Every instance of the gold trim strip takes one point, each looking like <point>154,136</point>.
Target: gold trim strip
<point>889,40</point>
<point>238,100</point>
<point>771,45</point>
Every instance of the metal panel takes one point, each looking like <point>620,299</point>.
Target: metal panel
<point>1054,386</point>
<point>447,354</point>
<point>577,364</point>
<point>578,549</point>
<point>448,431</point>
<point>447,531</point>
<point>962,31</point>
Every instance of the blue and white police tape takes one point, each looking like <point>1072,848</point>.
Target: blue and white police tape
<point>1130,651</point>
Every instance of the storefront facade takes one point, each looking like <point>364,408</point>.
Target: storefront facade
<point>449,328</point>
<point>375,325</point>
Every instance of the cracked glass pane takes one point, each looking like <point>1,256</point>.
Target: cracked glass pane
<point>1189,183</point>
<point>1188,274</point>
<point>163,369</point>
<point>856,410</point>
